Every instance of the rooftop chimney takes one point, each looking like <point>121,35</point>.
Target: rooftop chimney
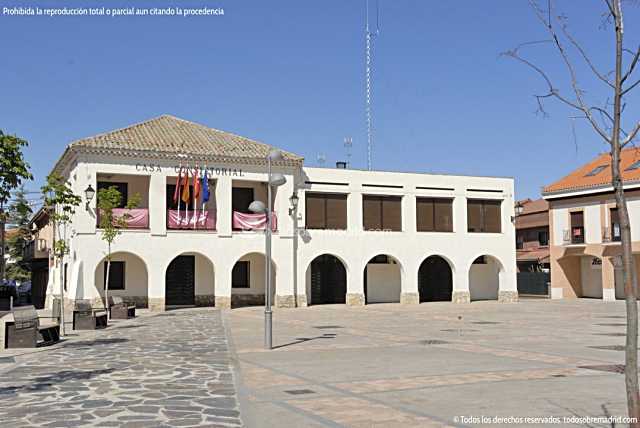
<point>341,165</point>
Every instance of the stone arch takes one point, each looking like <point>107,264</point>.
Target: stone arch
<point>382,281</point>
<point>486,274</point>
<point>189,280</point>
<point>435,279</point>
<point>326,280</point>
<point>248,275</point>
<point>130,267</point>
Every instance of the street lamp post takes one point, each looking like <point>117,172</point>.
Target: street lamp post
<point>273,180</point>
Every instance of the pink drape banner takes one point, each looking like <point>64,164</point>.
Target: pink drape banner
<point>182,219</point>
<point>135,218</point>
<point>253,221</point>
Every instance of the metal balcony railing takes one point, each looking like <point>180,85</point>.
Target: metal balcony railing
<point>575,235</point>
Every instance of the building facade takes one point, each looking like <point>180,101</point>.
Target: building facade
<point>353,237</point>
<point>532,247</point>
<point>585,233</point>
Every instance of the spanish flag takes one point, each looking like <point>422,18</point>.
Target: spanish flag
<point>185,187</point>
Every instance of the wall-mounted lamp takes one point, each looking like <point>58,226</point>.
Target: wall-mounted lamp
<point>519,208</point>
<point>89,193</point>
<point>293,199</point>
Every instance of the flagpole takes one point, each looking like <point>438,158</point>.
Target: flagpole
<point>178,190</point>
<point>195,208</point>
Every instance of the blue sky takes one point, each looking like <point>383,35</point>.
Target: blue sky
<point>290,73</point>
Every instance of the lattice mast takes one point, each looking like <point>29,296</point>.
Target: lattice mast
<point>369,36</point>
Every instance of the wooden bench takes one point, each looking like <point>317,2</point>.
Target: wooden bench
<point>25,330</point>
<point>86,317</point>
<point>120,310</point>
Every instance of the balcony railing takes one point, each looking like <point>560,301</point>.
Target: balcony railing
<point>194,220</point>
<point>575,235</point>
<point>611,235</point>
<point>134,218</point>
<point>242,221</point>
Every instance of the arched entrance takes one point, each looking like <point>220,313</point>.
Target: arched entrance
<point>189,281</point>
<point>484,278</point>
<point>327,279</point>
<point>435,280</point>
<point>248,280</point>
<point>382,280</point>
<point>128,278</point>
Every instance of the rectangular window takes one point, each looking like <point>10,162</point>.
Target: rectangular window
<point>240,275</point>
<point>615,224</point>
<point>382,213</point>
<point>577,227</point>
<point>174,205</point>
<point>123,188</point>
<point>543,237</point>
<point>434,215</point>
<point>484,216</point>
<point>326,211</point>
<point>519,241</point>
<point>116,275</point>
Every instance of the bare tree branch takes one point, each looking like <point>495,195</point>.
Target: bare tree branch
<point>636,83</point>
<point>631,135</point>
<point>634,61</point>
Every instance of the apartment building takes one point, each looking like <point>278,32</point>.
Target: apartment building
<point>340,235</point>
<point>585,233</point>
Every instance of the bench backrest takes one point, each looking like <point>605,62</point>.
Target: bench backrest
<point>25,317</point>
<point>83,305</point>
<point>117,300</point>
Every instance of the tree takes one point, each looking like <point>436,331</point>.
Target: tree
<point>13,170</point>
<point>606,121</point>
<point>61,203</point>
<point>19,215</point>
<point>112,225</point>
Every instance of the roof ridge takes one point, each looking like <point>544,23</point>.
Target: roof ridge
<point>134,125</point>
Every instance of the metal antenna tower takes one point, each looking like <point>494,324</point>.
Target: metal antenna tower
<point>348,144</point>
<point>369,35</point>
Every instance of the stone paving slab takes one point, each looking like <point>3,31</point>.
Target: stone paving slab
<point>164,370</point>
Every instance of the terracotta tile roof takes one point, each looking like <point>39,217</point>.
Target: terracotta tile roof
<point>540,255</point>
<point>171,136</point>
<point>591,176</point>
<point>534,206</point>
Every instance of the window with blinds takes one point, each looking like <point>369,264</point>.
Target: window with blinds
<point>434,214</point>
<point>326,211</point>
<point>484,216</point>
<point>382,213</point>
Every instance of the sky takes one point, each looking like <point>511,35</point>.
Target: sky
<point>290,73</point>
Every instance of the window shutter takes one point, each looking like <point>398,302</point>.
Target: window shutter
<point>315,211</point>
<point>336,206</point>
<point>443,214</point>
<point>474,216</point>
<point>424,215</point>
<point>492,217</point>
<point>577,219</point>
<point>392,213</point>
<point>372,212</point>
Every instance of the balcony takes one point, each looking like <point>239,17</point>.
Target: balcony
<point>611,235</point>
<point>134,218</point>
<point>191,220</point>
<point>573,236</point>
<point>244,222</point>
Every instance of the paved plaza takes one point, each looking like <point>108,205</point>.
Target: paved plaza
<point>171,369</point>
<point>428,365</point>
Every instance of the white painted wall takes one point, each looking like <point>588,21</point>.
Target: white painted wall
<point>383,283</point>
<point>592,224</point>
<point>135,278</point>
<point>560,224</point>
<point>591,274</point>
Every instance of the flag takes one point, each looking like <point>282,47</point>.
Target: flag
<point>185,187</point>
<point>176,192</point>
<point>205,187</point>
<point>196,185</point>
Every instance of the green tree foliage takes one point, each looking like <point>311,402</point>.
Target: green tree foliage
<point>19,215</point>
<point>13,171</point>
<point>61,203</point>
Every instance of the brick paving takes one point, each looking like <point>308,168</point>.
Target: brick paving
<point>171,369</point>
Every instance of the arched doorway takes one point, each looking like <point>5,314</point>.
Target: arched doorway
<point>484,278</point>
<point>327,279</point>
<point>248,280</point>
<point>128,278</point>
<point>382,280</point>
<point>435,280</point>
<point>189,281</point>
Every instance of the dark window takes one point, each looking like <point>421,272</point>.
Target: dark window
<point>519,241</point>
<point>434,215</point>
<point>116,275</point>
<point>543,237</point>
<point>382,213</point>
<point>64,277</point>
<point>123,188</point>
<point>326,211</point>
<point>484,216</point>
<point>615,224</point>
<point>240,275</point>
<point>171,188</point>
<point>577,227</point>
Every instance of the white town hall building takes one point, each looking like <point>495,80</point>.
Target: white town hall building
<point>354,237</point>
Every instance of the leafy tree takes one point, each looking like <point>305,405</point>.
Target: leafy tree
<point>61,203</point>
<point>19,215</point>
<point>13,170</point>
<point>112,225</point>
